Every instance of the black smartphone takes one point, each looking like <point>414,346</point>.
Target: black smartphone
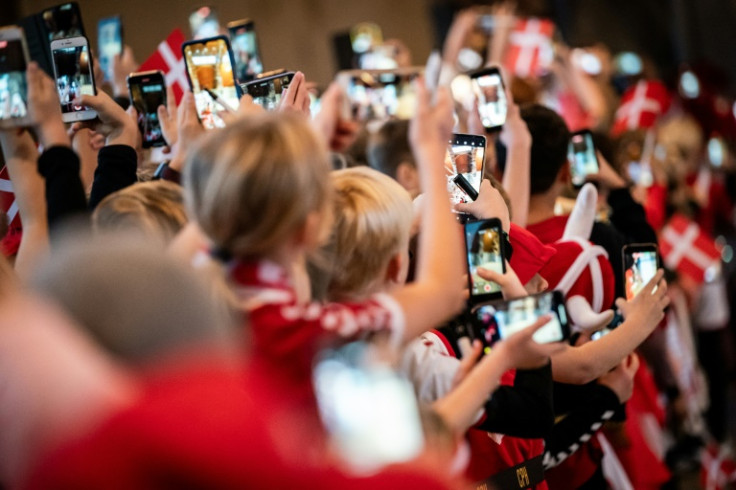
<point>266,92</point>
<point>641,261</point>
<point>490,93</point>
<point>147,92</point>
<point>63,21</point>
<point>244,41</point>
<point>501,319</point>
<point>583,159</point>
<point>74,77</point>
<point>211,76</point>
<point>109,43</point>
<point>379,94</point>
<point>13,84</point>
<point>484,247</point>
<point>464,166</point>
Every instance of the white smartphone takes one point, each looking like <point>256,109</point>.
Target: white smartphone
<point>74,76</point>
<point>13,85</point>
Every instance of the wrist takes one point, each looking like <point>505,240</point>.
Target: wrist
<point>127,134</point>
<point>53,133</point>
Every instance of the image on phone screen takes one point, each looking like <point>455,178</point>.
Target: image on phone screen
<point>146,97</point>
<point>109,43</point>
<point>63,21</point>
<point>639,268</point>
<point>492,104</point>
<point>465,155</point>
<point>204,23</point>
<point>13,85</point>
<point>73,76</point>
<point>267,92</point>
<point>381,94</point>
<point>209,67</point>
<point>484,249</point>
<point>245,50</point>
<point>583,160</point>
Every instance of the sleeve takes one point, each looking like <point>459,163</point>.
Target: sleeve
<point>613,242</point>
<point>524,409</point>
<point>630,218</point>
<point>429,367</point>
<point>116,169</point>
<point>65,195</point>
<point>656,206</point>
<point>579,425</point>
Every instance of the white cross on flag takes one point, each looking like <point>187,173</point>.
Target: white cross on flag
<point>641,105</point>
<point>687,249</point>
<point>530,47</point>
<point>169,59</point>
<point>7,199</point>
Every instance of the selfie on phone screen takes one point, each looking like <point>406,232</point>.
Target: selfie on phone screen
<point>484,250</point>
<point>13,86</point>
<point>584,161</point>
<point>73,76</point>
<point>640,267</point>
<point>465,154</point>
<point>210,70</point>
<point>489,92</point>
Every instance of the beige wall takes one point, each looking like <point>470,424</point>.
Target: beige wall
<point>294,34</point>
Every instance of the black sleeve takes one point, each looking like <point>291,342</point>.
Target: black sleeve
<point>116,169</point>
<point>523,410</point>
<point>629,218</point>
<point>613,242</point>
<point>579,425</point>
<point>65,196</point>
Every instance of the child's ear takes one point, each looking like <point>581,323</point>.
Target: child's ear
<point>395,270</point>
<point>564,174</point>
<point>311,234</point>
<point>408,177</point>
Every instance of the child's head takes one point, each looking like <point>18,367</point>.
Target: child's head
<point>550,140</point>
<point>370,239</point>
<point>388,151</point>
<point>155,209</point>
<point>259,185</point>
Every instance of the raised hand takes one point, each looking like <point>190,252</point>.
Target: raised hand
<point>296,96</point>
<point>168,120</point>
<point>522,352</point>
<point>647,308</point>
<point>44,108</point>
<point>621,379</point>
<point>490,204</point>
<point>338,132</point>
<point>114,123</point>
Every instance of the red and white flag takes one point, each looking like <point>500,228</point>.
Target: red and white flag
<point>641,105</point>
<point>169,59</point>
<point>687,249</point>
<point>530,47</point>
<point>717,470</point>
<point>7,199</point>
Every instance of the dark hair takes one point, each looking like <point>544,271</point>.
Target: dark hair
<point>389,147</point>
<point>550,139</point>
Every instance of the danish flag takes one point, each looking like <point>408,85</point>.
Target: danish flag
<point>641,105</point>
<point>717,470</point>
<point>169,59</point>
<point>687,249</point>
<point>7,199</point>
<point>530,47</point>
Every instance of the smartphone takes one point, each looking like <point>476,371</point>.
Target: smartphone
<point>210,71</point>
<point>204,23</point>
<point>370,412</point>
<point>244,41</point>
<point>501,319</point>
<point>484,247</point>
<point>13,84</point>
<point>490,93</point>
<point>464,166</point>
<point>109,43</point>
<point>74,77</point>
<point>641,261</point>
<point>147,91</point>
<point>63,21</point>
<point>583,159</point>
<point>266,92</point>
<point>717,151</point>
<point>379,94</point>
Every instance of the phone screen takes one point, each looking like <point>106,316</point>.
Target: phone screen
<point>209,67</point>
<point>382,94</point>
<point>484,249</point>
<point>63,21</point>
<point>109,43</point>
<point>492,105</point>
<point>13,86</point>
<point>204,23</point>
<point>640,266</point>
<point>73,76</point>
<point>465,156</point>
<point>245,50</point>
<point>583,160</point>
<point>147,93</point>
<point>502,319</point>
<point>267,92</point>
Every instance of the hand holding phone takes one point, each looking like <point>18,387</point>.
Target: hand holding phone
<point>583,158</point>
<point>147,93</point>
<point>267,92</point>
<point>13,83</point>
<point>380,94</point>
<point>484,246</point>
<point>74,77</point>
<point>490,93</point>
<point>521,349</point>
<point>116,125</point>
<point>464,166</point>
<point>641,262</point>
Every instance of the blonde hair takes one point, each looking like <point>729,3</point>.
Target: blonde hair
<point>153,208</point>
<point>253,184</point>
<point>373,216</point>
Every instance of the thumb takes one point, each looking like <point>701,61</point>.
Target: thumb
<point>621,303</point>
<point>163,114</point>
<point>490,275</point>
<point>464,207</point>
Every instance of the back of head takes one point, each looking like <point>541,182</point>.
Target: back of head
<point>373,216</point>
<point>253,184</point>
<point>137,302</point>
<point>550,140</point>
<point>389,147</point>
<point>155,209</point>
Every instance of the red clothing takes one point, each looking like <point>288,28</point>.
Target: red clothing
<point>488,457</point>
<point>549,230</point>
<point>577,469</point>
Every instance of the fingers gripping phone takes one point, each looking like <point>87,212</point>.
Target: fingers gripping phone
<point>13,83</point>
<point>147,92</point>
<point>464,166</point>
<point>484,248</point>
<point>582,155</point>
<point>266,92</point>
<point>641,262</point>
<point>247,56</point>
<point>490,93</point>
<point>74,77</point>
